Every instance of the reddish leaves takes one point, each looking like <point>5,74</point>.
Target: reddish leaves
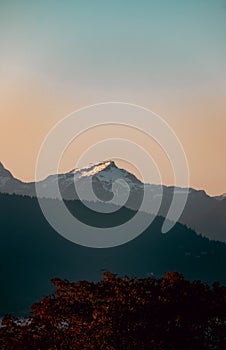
<point>123,313</point>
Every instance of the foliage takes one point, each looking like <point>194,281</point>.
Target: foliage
<point>32,253</point>
<point>123,313</point>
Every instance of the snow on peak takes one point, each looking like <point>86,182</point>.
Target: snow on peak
<point>106,171</point>
<point>94,169</point>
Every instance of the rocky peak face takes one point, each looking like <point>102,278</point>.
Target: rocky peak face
<point>4,172</point>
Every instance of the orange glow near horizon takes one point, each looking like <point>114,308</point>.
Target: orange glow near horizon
<point>167,56</point>
<point>29,111</point>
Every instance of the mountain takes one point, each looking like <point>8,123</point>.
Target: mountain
<point>204,214</point>
<point>32,252</point>
<point>100,175</point>
<point>98,178</point>
<point>221,197</point>
<point>9,184</point>
<point>105,182</point>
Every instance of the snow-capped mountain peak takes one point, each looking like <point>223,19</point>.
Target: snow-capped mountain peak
<point>94,169</point>
<point>105,171</point>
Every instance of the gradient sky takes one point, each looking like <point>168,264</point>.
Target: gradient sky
<point>169,56</point>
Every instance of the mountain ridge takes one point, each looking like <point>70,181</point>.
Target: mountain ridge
<point>105,182</point>
<point>32,252</point>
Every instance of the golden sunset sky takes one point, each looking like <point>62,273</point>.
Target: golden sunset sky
<point>168,56</point>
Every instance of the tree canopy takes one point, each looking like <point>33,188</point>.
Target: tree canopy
<point>123,313</point>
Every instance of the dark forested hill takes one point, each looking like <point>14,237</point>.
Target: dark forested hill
<point>32,253</point>
<point>202,213</point>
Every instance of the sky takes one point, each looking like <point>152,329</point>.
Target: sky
<point>168,56</point>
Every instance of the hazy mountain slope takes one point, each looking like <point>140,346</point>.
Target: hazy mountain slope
<point>32,253</point>
<point>221,197</point>
<point>9,184</point>
<point>205,214</point>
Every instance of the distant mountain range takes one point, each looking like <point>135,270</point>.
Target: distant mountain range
<point>221,197</point>
<point>204,214</point>
<point>32,252</point>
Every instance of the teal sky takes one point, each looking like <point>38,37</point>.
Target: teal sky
<point>117,43</point>
<point>168,55</point>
